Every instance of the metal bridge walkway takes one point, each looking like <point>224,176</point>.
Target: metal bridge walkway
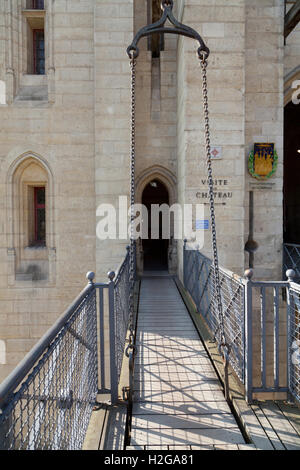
<point>178,399</point>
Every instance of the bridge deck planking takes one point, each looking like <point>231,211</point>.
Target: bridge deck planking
<point>235,447</point>
<point>153,436</point>
<point>281,432</point>
<point>209,407</point>
<point>270,425</point>
<point>178,399</point>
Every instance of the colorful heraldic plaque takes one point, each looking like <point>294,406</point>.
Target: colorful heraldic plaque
<point>262,162</point>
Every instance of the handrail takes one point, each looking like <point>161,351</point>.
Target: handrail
<point>295,286</point>
<point>26,364</point>
<point>246,299</point>
<point>55,386</point>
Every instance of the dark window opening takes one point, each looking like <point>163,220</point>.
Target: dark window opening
<point>38,52</point>
<point>291,187</point>
<point>40,216</point>
<point>36,4</point>
<point>156,42</point>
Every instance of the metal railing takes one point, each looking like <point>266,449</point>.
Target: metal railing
<point>266,336</point>
<point>291,259</point>
<point>294,341</point>
<point>121,302</point>
<point>262,324</point>
<point>118,317</point>
<point>199,282</point>
<point>47,401</point>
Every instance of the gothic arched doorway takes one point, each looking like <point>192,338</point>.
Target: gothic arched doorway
<point>291,187</point>
<point>155,249</point>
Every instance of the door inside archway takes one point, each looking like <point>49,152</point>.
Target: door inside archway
<point>155,250</point>
<point>291,186</point>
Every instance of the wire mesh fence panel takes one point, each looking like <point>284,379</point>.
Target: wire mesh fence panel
<point>51,408</point>
<point>294,342</point>
<point>269,360</point>
<point>200,283</point>
<point>291,259</point>
<point>121,306</point>
<point>232,294</point>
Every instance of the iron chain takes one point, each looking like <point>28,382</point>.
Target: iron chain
<point>223,346</point>
<point>132,213</point>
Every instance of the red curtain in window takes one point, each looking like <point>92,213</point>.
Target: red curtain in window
<point>39,216</point>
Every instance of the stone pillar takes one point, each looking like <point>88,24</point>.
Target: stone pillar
<point>113,33</point>
<point>222,26</point>
<point>264,123</point>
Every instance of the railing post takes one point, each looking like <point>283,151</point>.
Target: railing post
<point>184,262</point>
<point>290,274</point>
<point>112,339</point>
<point>90,277</point>
<point>248,335</point>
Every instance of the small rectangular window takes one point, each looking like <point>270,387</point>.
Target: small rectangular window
<point>34,39</point>
<point>40,215</point>
<point>38,52</point>
<point>35,4</point>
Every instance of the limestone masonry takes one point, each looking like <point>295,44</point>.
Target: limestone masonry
<point>68,130</point>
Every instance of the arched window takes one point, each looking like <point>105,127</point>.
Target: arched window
<point>30,204</point>
<point>30,218</point>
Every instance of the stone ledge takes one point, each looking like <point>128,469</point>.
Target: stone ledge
<point>107,428</point>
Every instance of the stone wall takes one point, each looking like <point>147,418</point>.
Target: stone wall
<point>245,92</point>
<point>291,50</point>
<point>264,123</point>
<point>113,33</point>
<point>75,124</point>
<point>156,103</point>
<point>223,29</point>
<point>59,136</point>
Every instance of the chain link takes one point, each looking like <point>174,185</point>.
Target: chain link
<point>223,346</point>
<point>132,201</point>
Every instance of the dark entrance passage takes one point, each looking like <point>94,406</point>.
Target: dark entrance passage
<point>291,186</point>
<point>155,250</point>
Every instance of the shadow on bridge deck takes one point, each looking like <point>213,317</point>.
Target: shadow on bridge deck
<point>178,399</point>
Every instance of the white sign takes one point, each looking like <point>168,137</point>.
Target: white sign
<point>216,153</point>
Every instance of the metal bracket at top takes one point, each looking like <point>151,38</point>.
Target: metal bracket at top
<point>159,27</point>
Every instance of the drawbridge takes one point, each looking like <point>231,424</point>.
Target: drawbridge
<point>178,399</point>
<point>183,391</point>
<point>78,389</point>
